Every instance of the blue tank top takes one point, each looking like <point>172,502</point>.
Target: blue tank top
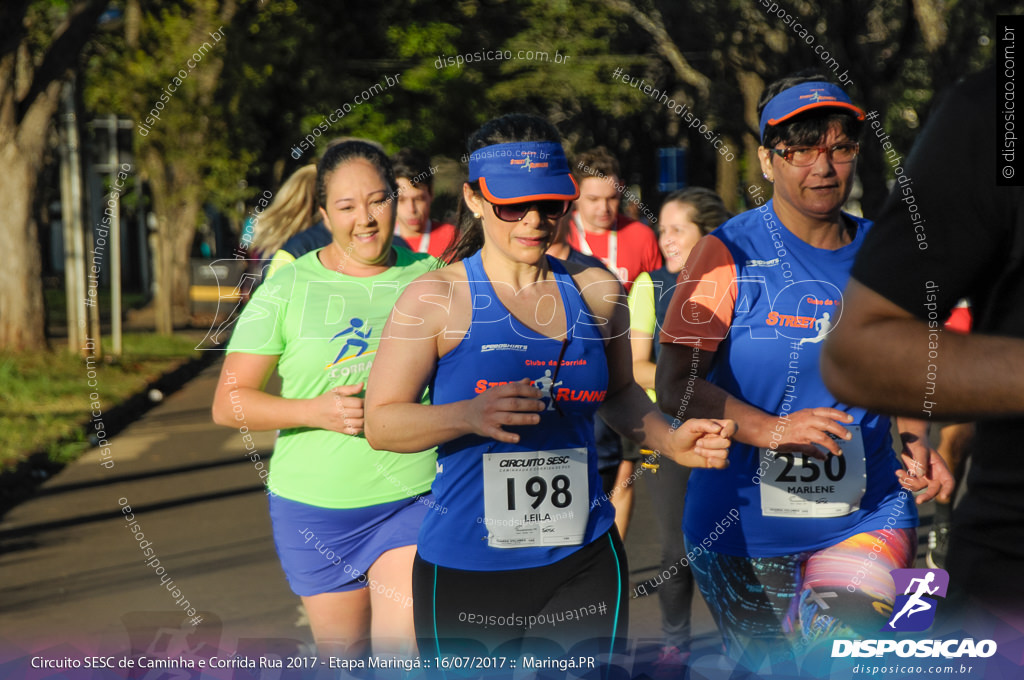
<point>789,295</point>
<point>517,506</point>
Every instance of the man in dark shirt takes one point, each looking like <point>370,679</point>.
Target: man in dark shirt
<point>947,232</point>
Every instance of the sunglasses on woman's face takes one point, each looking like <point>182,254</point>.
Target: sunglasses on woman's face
<point>514,212</point>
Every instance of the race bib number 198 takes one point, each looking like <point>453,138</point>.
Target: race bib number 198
<point>536,498</point>
<point>797,485</point>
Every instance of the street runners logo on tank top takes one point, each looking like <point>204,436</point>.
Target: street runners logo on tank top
<point>818,314</point>
<point>914,611</point>
<point>546,385</point>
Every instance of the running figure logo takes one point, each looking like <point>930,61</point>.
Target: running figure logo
<point>823,326</point>
<point>818,95</point>
<point>545,385</point>
<point>913,610</point>
<point>357,341</point>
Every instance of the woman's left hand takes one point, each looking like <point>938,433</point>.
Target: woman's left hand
<point>925,470</point>
<point>703,443</point>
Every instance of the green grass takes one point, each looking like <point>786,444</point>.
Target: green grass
<point>45,399</point>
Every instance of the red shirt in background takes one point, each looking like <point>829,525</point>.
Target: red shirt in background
<point>438,236</point>
<point>632,250</point>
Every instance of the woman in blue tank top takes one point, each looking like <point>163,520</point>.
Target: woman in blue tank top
<point>519,352</point>
<point>817,536</point>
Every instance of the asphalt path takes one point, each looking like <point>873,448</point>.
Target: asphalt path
<point>76,579</point>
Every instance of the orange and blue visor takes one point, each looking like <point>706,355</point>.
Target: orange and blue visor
<point>518,172</point>
<point>806,97</point>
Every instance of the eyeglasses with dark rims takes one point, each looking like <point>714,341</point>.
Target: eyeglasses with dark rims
<point>802,156</point>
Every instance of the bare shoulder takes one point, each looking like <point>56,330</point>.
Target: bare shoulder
<point>436,301</point>
<point>448,273</point>
<point>437,282</point>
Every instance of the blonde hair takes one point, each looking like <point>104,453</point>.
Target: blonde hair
<point>293,210</point>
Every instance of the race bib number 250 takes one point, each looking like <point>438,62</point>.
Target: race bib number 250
<point>798,485</point>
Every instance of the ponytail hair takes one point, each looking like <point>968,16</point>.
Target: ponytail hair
<point>292,210</point>
<point>512,127</point>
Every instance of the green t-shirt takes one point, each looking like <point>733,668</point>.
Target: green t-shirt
<point>325,327</point>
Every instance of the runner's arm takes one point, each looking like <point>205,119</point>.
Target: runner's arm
<point>626,407</point>
<point>406,361</point>
<point>683,392</point>
<point>878,358</point>
<point>698,319</point>
<point>240,393</point>
<point>240,399</point>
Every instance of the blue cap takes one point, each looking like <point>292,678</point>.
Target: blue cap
<point>523,171</point>
<point>804,97</point>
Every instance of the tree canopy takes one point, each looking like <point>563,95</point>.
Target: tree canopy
<point>271,72</point>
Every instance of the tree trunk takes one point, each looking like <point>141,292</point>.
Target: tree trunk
<point>727,180</point>
<point>751,86</point>
<point>931,19</point>
<point>173,271</point>
<point>22,315</point>
<point>176,181</point>
<point>652,22</point>
<point>177,204</point>
<point>22,318</point>
<point>181,230</point>
<point>163,307</point>
<point>29,90</point>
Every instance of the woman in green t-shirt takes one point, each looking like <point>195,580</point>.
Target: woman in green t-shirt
<point>345,517</point>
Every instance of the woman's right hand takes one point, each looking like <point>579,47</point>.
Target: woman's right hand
<point>807,427</point>
<point>338,410</point>
<point>515,403</point>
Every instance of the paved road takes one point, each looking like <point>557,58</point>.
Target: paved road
<point>76,577</point>
<point>74,573</point>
